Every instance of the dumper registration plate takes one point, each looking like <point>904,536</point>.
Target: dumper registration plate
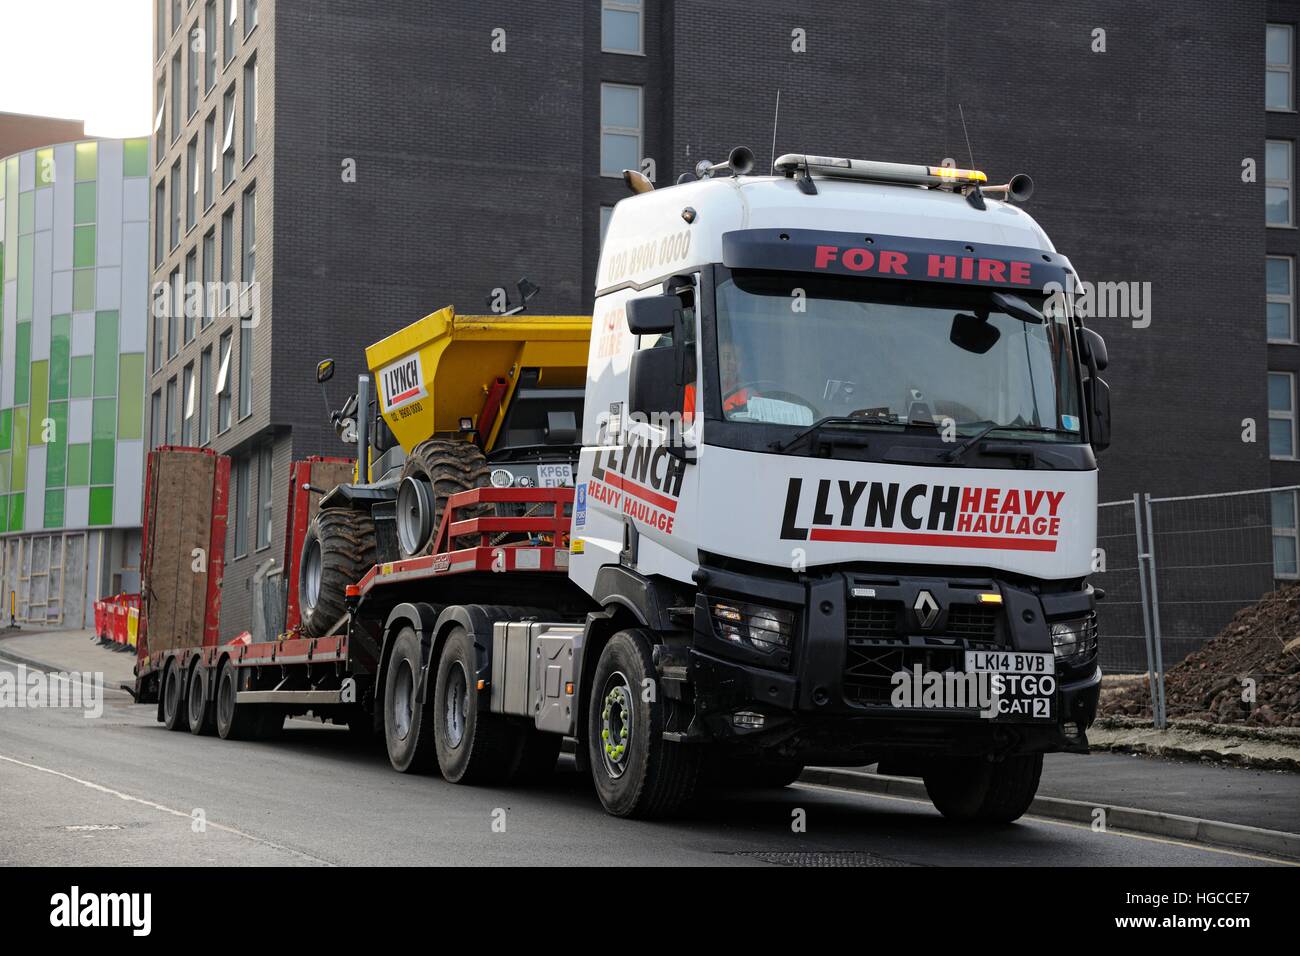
<point>555,476</point>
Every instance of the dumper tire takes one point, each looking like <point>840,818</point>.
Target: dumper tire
<point>649,777</point>
<point>436,469</point>
<point>408,734</point>
<point>175,713</point>
<point>337,550</point>
<point>235,721</point>
<point>202,711</point>
<point>473,745</point>
<point>978,790</point>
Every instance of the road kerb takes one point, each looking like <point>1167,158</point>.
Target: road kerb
<point>1152,822</point>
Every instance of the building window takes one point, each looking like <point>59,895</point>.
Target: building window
<point>187,405</point>
<point>192,194</point>
<point>228,38</point>
<point>620,129</point>
<point>173,311</point>
<point>223,383</point>
<point>228,140</point>
<point>177,80</point>
<point>209,46</point>
<point>176,15</point>
<point>205,396</point>
<point>170,412</point>
<point>249,274</point>
<point>1279,50</point>
<point>213,156</point>
<point>250,16</point>
<point>606,214</point>
<point>157,342</point>
<point>159,222</point>
<point>160,43</point>
<point>1277,182</point>
<point>264,497</point>
<point>245,369</point>
<point>250,109</point>
<point>208,304</point>
<point>155,420</point>
<point>1285,535</point>
<point>1280,296</point>
<point>1281,414</point>
<point>227,256</point>
<point>241,506</point>
<point>620,26</point>
<point>191,303</point>
<point>177,188</point>
<point>196,41</point>
<point>159,122</point>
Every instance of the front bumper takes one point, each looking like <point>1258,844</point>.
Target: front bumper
<point>829,697</point>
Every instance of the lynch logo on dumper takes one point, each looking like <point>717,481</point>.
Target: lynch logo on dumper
<point>937,516</point>
<point>402,382</point>
<point>640,480</point>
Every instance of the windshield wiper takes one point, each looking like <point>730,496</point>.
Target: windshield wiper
<point>959,450</point>
<point>834,420</point>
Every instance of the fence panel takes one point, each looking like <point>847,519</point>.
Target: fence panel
<point>1121,626</point>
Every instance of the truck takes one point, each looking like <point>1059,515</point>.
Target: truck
<point>831,500</point>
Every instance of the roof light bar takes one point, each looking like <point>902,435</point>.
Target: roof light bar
<point>831,167</point>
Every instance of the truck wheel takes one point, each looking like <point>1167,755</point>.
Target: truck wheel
<point>202,715</point>
<point>637,773</point>
<point>337,550</point>
<point>410,745</point>
<point>235,721</point>
<point>175,715</point>
<point>435,470</point>
<point>473,747</point>
<point>979,790</point>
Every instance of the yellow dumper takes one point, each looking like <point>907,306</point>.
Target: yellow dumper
<point>464,401</point>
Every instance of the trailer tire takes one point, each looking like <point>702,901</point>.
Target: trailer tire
<point>636,772</point>
<point>435,470</point>
<point>235,721</point>
<point>202,714</point>
<point>977,790</point>
<point>175,715</point>
<point>473,746</point>
<point>406,735</point>
<point>337,550</point>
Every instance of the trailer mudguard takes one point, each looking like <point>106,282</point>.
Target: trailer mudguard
<point>422,618</point>
<point>477,619</point>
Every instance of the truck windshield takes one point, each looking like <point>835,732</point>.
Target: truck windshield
<point>793,349</point>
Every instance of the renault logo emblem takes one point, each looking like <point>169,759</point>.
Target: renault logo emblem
<point>927,609</point>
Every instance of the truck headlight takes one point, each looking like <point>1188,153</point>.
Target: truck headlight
<point>1075,641</point>
<point>765,629</point>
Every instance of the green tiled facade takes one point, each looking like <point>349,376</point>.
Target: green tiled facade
<point>74,242</point>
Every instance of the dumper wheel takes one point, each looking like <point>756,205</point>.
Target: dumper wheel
<point>435,470</point>
<point>979,790</point>
<point>337,550</point>
<point>175,714</point>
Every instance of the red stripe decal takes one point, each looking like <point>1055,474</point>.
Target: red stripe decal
<point>404,396</point>
<point>645,494</point>
<point>929,540</point>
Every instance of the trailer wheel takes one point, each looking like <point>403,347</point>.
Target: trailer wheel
<point>175,715</point>
<point>637,773</point>
<point>473,747</point>
<point>435,470</point>
<point>410,744</point>
<point>202,715</point>
<point>337,550</point>
<point>979,790</point>
<point>235,721</point>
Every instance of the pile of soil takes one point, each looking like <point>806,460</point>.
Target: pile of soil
<point>1261,642</point>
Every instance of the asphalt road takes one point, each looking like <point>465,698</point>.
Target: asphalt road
<point>119,789</point>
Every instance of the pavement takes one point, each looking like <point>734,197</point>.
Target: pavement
<point>119,789</point>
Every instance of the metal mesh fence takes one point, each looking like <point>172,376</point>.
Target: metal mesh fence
<point>1120,615</point>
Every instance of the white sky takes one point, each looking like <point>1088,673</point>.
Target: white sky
<point>90,60</point>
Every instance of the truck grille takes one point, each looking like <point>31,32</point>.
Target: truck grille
<point>978,622</point>
<point>873,619</point>
<point>868,670</point>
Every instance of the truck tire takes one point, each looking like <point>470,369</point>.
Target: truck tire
<point>337,550</point>
<point>636,772</point>
<point>175,715</point>
<point>406,734</point>
<point>983,791</point>
<point>202,715</point>
<point>436,469</point>
<point>235,721</point>
<point>473,746</point>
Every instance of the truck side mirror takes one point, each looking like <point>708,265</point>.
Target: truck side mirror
<point>1094,349</point>
<point>324,371</point>
<point>652,314</point>
<point>1098,398</point>
<point>652,382</point>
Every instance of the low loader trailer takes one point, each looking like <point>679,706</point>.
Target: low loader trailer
<point>825,494</point>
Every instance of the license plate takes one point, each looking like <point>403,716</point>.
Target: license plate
<point>554,476</point>
<point>1023,683</point>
